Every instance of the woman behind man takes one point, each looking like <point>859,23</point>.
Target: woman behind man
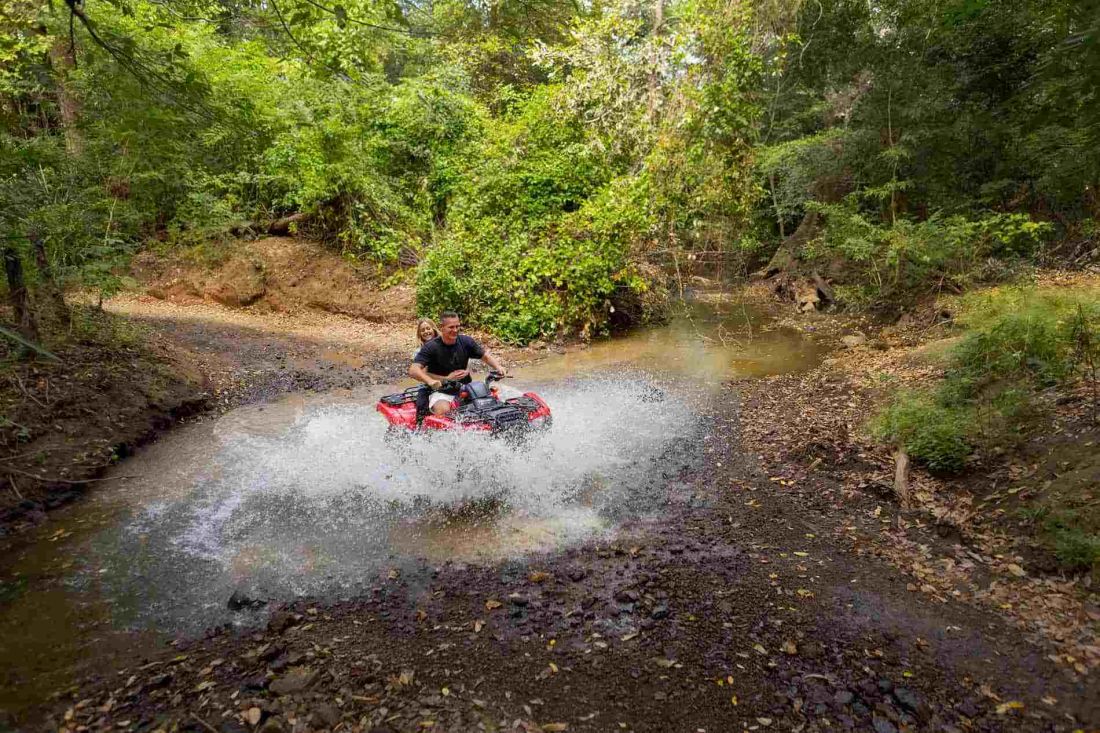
<point>426,330</point>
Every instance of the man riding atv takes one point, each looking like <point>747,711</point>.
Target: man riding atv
<point>446,358</point>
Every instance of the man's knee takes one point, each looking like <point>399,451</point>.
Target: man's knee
<point>440,407</point>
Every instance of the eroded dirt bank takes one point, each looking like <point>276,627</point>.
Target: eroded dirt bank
<point>779,589</point>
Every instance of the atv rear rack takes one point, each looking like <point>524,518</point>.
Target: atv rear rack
<point>402,398</point>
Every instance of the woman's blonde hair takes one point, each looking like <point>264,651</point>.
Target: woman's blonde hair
<point>430,322</point>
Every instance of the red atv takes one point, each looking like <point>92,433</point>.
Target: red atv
<point>477,406</point>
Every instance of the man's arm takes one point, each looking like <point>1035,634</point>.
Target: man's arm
<point>420,373</point>
<point>494,362</point>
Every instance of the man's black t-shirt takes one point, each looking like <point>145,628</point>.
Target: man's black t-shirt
<point>439,358</point>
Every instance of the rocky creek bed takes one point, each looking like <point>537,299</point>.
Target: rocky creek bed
<point>779,588</point>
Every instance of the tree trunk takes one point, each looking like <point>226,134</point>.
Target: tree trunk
<point>63,59</point>
<point>51,289</point>
<point>17,294</point>
<point>283,225</point>
<point>654,80</point>
<point>901,476</point>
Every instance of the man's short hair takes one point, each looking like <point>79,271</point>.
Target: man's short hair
<point>448,314</point>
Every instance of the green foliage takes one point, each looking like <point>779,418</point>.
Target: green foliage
<point>934,433</point>
<point>912,258</point>
<point>1074,547</point>
<point>1016,342</point>
<point>593,146</point>
<point>925,112</point>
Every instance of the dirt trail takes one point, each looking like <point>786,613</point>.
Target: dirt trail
<point>756,601</point>
<point>248,354</point>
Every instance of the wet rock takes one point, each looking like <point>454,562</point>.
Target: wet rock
<point>259,682</point>
<point>853,340</point>
<point>280,621</point>
<point>911,701</point>
<point>273,724</point>
<point>328,714</point>
<point>294,681</point>
<point>882,725</point>
<point>860,709</point>
<point>240,601</point>
<point>627,596</point>
<point>272,651</point>
<point>812,650</point>
<point>843,697</point>
<point>885,685</point>
<point>969,708</point>
<point>518,599</point>
<point>659,612</point>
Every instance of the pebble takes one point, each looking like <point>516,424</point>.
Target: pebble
<point>659,612</point>
<point>627,596</point>
<point>843,697</point>
<point>882,725</point>
<point>908,699</point>
<point>328,714</point>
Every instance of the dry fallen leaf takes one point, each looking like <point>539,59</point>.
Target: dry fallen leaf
<point>1016,570</point>
<point>253,716</point>
<point>539,576</point>
<point>555,727</point>
<point>759,649</point>
<point>789,647</point>
<point>491,604</point>
<point>477,626</point>
<point>1004,707</point>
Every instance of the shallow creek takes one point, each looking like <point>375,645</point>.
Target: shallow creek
<point>306,495</point>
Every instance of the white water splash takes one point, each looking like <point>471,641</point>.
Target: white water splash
<point>311,497</point>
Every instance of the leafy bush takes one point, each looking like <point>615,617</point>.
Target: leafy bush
<point>1017,342</point>
<point>933,433</point>
<point>1074,548</point>
<point>909,259</point>
<point>523,284</point>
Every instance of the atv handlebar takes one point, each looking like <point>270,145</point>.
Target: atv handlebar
<point>456,385</point>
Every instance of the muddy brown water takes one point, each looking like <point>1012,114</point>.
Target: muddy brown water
<point>306,495</point>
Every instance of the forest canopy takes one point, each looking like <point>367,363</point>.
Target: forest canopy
<point>552,167</point>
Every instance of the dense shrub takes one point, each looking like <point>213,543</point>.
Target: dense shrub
<point>1016,342</point>
<point>527,282</point>
<point>936,434</point>
<point>909,259</point>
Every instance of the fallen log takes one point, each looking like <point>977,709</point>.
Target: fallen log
<point>283,225</point>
